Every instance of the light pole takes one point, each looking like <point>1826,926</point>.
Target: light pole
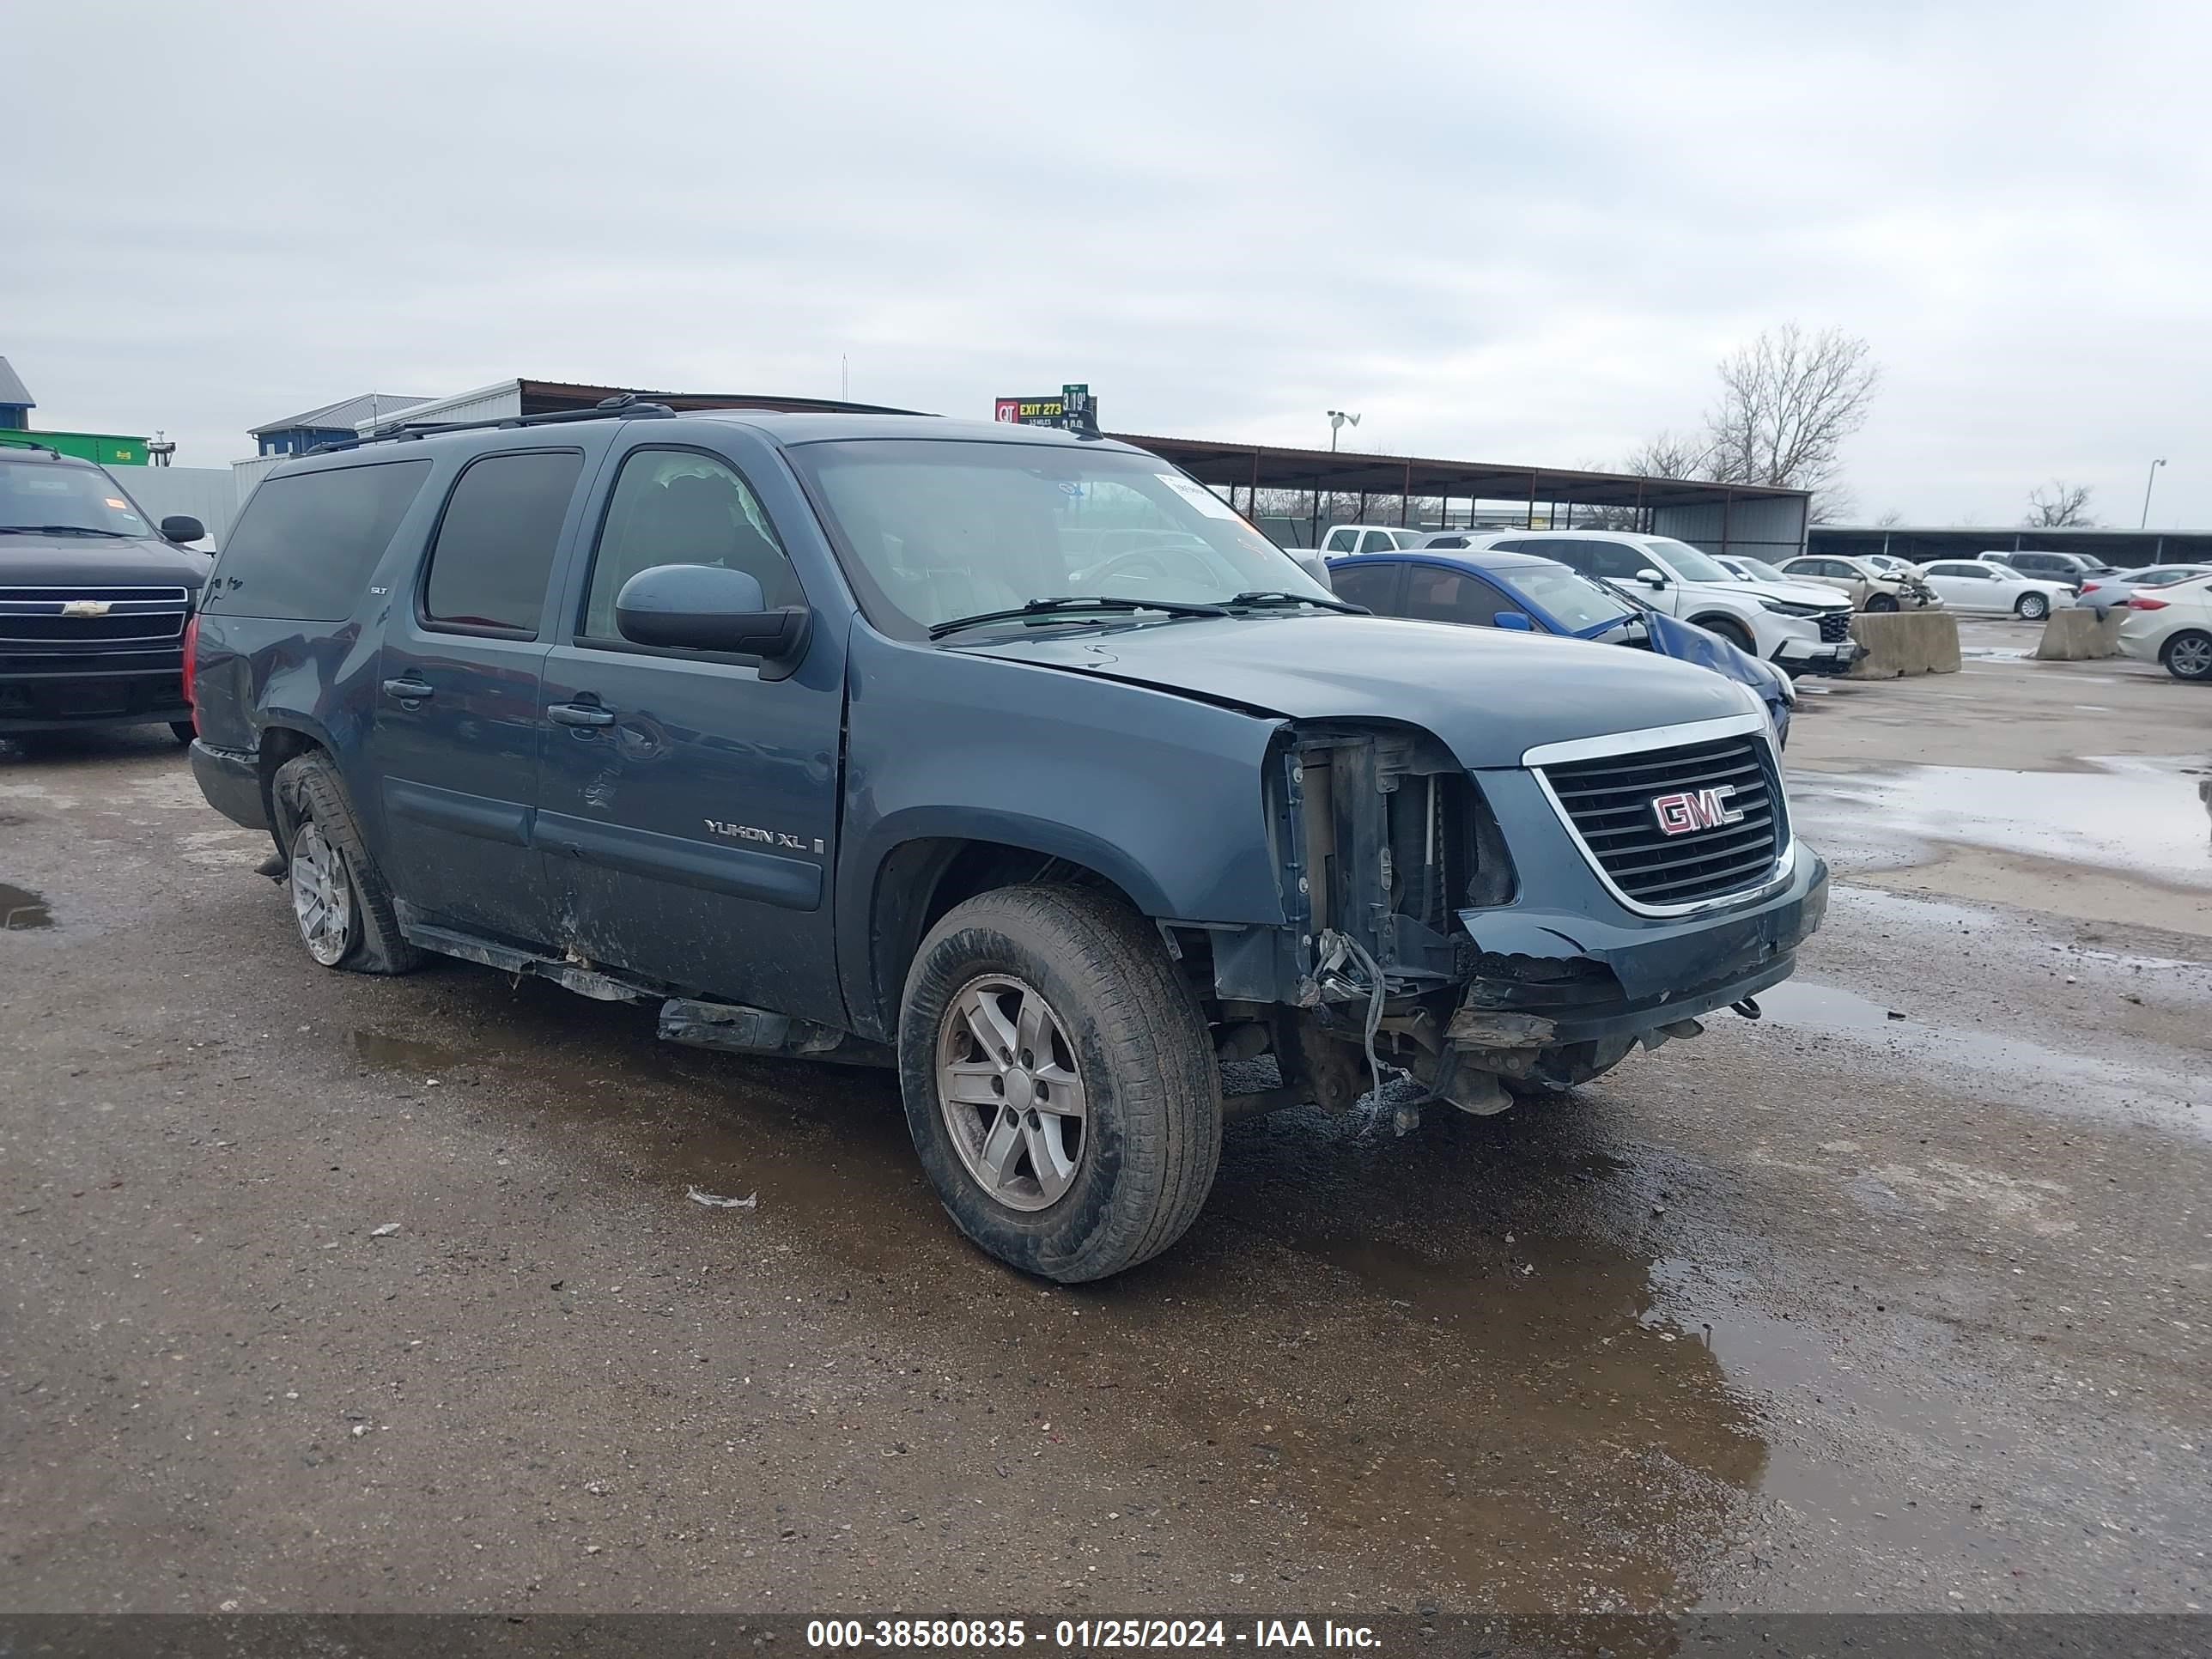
<point>2149,479</point>
<point>1338,420</point>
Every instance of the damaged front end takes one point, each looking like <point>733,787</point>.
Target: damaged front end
<point>1480,932</point>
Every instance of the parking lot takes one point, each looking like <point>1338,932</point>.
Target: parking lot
<point>328,1291</point>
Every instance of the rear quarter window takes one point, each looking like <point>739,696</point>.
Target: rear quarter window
<point>306,545</point>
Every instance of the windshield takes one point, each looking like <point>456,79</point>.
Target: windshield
<point>1685,560</point>
<point>1574,600</point>
<point>937,530</point>
<point>1759,570</point>
<point>35,496</point>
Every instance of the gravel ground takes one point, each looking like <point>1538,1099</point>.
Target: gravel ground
<point>328,1292</point>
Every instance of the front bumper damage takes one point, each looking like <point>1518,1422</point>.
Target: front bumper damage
<point>1454,926</point>
<point>1558,996</point>
<point>1799,656</point>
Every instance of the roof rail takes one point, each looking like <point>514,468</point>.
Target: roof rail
<point>13,442</point>
<point>627,407</point>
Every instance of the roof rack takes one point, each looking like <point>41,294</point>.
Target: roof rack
<point>627,407</point>
<point>13,442</point>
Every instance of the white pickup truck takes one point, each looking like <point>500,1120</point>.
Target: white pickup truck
<point>1343,538</point>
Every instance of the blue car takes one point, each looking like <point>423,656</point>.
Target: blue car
<point>1542,596</point>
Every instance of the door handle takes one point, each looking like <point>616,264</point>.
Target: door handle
<point>410,690</point>
<point>585,714</point>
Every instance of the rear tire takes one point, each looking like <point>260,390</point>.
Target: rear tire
<point>1881,602</point>
<point>2033,607</point>
<point>356,928</point>
<point>2187,655</point>
<point>183,732</point>
<point>1030,1011</point>
<point>1731,630</point>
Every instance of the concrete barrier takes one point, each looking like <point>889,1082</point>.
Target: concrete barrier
<point>1905,642</point>
<point>2078,634</point>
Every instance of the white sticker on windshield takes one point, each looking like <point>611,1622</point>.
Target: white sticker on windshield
<point>1198,495</point>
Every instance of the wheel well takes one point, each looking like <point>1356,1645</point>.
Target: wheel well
<point>923,879</point>
<point>279,743</point>
<point>1720,622</point>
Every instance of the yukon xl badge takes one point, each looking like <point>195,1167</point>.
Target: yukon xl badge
<point>770,837</point>
<point>1695,809</point>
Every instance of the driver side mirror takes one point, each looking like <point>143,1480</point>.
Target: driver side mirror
<point>706,607</point>
<point>1651,578</point>
<point>1517,621</point>
<point>182,527</point>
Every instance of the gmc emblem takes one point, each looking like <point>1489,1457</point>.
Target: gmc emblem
<point>1695,809</point>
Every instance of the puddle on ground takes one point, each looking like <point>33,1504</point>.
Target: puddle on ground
<point>399,1054</point>
<point>1443,1358</point>
<point>21,909</point>
<point>2137,815</point>
<point>2012,1069</point>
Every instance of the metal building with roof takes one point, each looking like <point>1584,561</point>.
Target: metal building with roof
<point>16,401</point>
<point>296,435</point>
<point>2125,549</point>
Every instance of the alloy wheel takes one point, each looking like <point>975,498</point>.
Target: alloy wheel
<point>1011,1091</point>
<point>322,897</point>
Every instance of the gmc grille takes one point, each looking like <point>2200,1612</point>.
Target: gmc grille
<point>1610,803</point>
<point>38,619</point>
<point>1835,627</point>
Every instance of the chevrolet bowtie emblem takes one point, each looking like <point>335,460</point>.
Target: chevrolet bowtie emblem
<point>85,608</point>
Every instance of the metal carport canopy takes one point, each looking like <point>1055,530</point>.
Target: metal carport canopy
<point>1266,466</point>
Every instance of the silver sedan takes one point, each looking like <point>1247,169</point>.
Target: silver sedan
<point>2109,592</point>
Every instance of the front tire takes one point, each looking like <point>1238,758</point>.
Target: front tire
<point>340,900</point>
<point>1881,602</point>
<point>1731,630</point>
<point>2187,655</point>
<point>2033,607</point>
<point>1062,1095</point>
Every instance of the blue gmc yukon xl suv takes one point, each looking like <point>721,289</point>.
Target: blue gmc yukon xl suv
<point>1013,759</point>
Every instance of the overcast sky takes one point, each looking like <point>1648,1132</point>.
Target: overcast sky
<point>1506,232</point>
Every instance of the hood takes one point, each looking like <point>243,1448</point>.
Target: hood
<point>1827,598</point>
<point>1489,694</point>
<point>1687,642</point>
<point>98,562</point>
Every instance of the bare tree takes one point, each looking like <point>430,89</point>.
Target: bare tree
<point>2061,505</point>
<point>1890,519</point>
<point>1670,455</point>
<point>1789,401</point>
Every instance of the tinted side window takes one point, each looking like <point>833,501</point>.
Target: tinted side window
<point>1576,556</point>
<point>1433,595</point>
<point>1339,541</point>
<point>678,506</point>
<point>495,548</point>
<point>1371,582</point>
<point>305,546</point>
<point>1611,559</point>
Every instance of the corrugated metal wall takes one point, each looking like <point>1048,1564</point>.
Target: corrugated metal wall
<point>208,492</point>
<point>491,403</point>
<point>1764,527</point>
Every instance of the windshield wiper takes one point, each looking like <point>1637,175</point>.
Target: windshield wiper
<point>1276,599</point>
<point>1047,607</point>
<point>61,529</point>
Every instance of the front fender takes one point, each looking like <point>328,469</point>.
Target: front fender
<point>1159,793</point>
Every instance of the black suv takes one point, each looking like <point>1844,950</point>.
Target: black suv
<point>1014,759</point>
<point>93,601</point>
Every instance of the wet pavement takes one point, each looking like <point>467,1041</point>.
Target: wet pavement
<point>333,1292</point>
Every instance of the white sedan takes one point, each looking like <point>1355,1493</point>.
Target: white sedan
<point>1972,586</point>
<point>2172,626</point>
